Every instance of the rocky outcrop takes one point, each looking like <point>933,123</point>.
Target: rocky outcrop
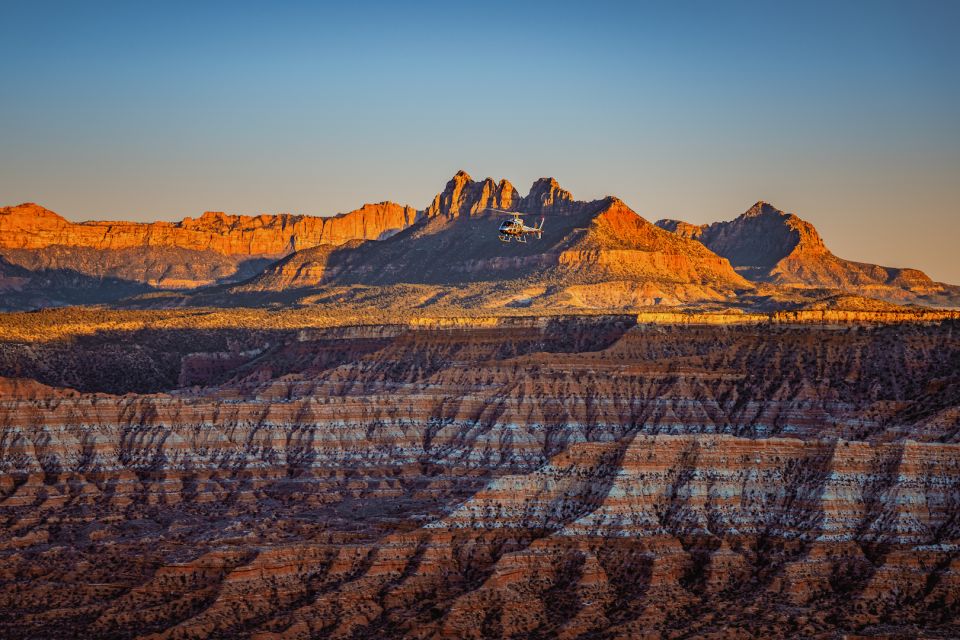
<point>547,195</point>
<point>681,228</point>
<point>530,477</point>
<point>766,244</point>
<point>464,196</point>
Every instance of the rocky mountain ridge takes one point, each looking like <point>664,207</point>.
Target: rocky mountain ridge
<point>462,195</point>
<point>30,226</point>
<point>598,253</point>
<point>59,262</point>
<point>593,255</point>
<point>765,244</point>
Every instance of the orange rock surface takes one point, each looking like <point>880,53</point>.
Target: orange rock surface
<point>30,226</point>
<point>47,261</point>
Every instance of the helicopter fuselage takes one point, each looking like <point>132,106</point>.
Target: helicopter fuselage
<point>515,229</point>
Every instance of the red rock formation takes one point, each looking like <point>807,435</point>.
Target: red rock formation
<point>463,196</point>
<point>592,254</point>
<point>620,243</point>
<point>766,244</point>
<point>30,226</point>
<point>547,195</point>
<point>597,255</point>
<point>68,263</point>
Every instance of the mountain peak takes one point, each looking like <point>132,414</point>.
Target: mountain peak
<point>29,209</point>
<point>550,183</point>
<point>767,244</point>
<point>546,193</point>
<point>462,195</point>
<point>29,215</point>
<point>762,208</point>
<point>215,216</point>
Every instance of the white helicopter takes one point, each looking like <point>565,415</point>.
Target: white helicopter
<point>515,229</point>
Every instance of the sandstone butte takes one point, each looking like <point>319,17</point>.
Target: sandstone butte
<point>567,477</point>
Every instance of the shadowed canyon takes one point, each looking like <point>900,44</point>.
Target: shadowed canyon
<point>391,424</point>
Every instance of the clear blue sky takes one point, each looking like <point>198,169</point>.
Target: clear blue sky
<point>847,113</point>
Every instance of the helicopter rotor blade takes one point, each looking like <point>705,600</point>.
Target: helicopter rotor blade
<point>519,213</point>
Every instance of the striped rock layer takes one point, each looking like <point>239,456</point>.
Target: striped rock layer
<point>590,478</point>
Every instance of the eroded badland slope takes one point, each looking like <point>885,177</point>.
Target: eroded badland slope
<point>532,477</point>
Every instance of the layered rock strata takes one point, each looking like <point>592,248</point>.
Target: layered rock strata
<point>558,478</point>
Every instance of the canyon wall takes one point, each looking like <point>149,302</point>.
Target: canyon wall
<point>531,477</point>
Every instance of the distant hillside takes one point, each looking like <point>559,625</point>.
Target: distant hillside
<point>60,262</point>
<point>766,244</point>
<point>597,254</point>
<point>600,250</point>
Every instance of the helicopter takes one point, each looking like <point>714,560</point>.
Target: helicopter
<point>515,229</point>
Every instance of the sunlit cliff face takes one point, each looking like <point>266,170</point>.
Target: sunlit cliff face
<point>597,255</point>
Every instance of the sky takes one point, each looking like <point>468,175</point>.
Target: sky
<point>846,113</point>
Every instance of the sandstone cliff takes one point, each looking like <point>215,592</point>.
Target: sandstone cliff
<point>30,226</point>
<point>109,260</point>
